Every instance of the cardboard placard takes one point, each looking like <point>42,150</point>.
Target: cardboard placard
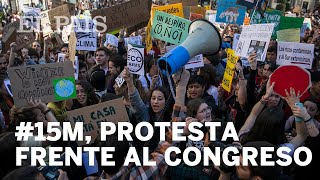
<point>232,60</point>
<point>164,29</point>
<point>194,16</point>
<point>92,116</point>
<point>184,2</point>
<point>10,37</point>
<point>48,82</point>
<point>15,25</point>
<point>24,39</point>
<point>136,27</point>
<point>252,38</point>
<point>193,9</point>
<point>135,59</point>
<point>59,11</point>
<point>123,15</point>
<point>299,54</point>
<point>72,46</point>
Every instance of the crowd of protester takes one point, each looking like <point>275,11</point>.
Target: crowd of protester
<point>260,116</point>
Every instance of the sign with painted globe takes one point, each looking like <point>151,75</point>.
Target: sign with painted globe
<point>64,88</point>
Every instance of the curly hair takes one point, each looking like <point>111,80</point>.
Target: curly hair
<point>24,114</point>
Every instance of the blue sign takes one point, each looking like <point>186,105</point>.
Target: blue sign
<point>230,13</point>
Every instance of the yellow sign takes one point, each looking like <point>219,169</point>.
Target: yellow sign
<point>174,9</point>
<point>207,7</point>
<point>229,72</point>
<point>148,37</point>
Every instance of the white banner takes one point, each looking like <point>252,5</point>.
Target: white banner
<point>299,54</point>
<point>61,57</point>
<point>254,37</point>
<point>86,33</point>
<point>45,23</point>
<point>236,38</point>
<point>135,60</point>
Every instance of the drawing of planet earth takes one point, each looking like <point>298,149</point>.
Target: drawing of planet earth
<point>64,88</point>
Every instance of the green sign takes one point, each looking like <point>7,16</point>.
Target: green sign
<point>169,28</point>
<point>290,23</point>
<point>64,88</point>
<point>270,16</point>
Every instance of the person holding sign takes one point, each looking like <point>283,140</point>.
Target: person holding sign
<point>37,111</point>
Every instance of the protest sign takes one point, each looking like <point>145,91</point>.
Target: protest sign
<point>148,40</point>
<point>123,15</point>
<point>246,21</point>
<point>306,24</point>
<point>299,54</point>
<point>111,39</point>
<point>230,13</point>
<point>136,27</point>
<point>31,16</point>
<point>290,76</point>
<point>290,23</point>
<point>15,25</point>
<point>212,18</point>
<point>289,35</point>
<point>66,31</point>
<point>250,4</point>
<point>254,37</point>
<point>72,46</point>
<point>135,40</point>
<point>86,34</point>
<point>48,82</point>
<point>61,57</point>
<point>194,16</point>
<point>24,39</point>
<point>8,86</point>
<point>45,23</point>
<point>119,80</point>
<point>92,116</point>
<point>184,2</point>
<point>232,60</point>
<point>135,59</point>
<point>187,10</point>
<point>169,28</point>
<point>236,38</point>
<point>270,16</point>
<point>59,11</point>
<point>58,38</point>
<point>174,9</point>
<point>9,38</point>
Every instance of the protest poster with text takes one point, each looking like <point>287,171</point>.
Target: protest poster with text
<point>86,34</point>
<point>122,15</point>
<point>170,28</point>
<point>254,37</point>
<point>174,9</point>
<point>230,13</point>
<point>289,29</point>
<point>187,10</point>
<point>299,54</point>
<point>48,82</point>
<point>195,62</point>
<point>45,23</point>
<point>236,38</point>
<point>61,11</point>
<point>232,60</point>
<point>306,24</point>
<point>91,116</point>
<point>270,16</point>
<point>135,59</point>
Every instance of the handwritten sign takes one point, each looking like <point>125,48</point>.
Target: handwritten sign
<point>232,60</point>
<point>174,9</point>
<point>253,38</point>
<point>58,11</point>
<point>289,35</point>
<point>299,54</point>
<point>86,34</point>
<point>45,23</point>
<point>184,2</point>
<point>270,16</point>
<point>135,59</point>
<point>37,81</point>
<point>163,28</point>
<point>92,116</point>
<point>123,15</point>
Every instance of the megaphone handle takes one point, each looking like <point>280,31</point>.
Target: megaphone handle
<point>171,87</point>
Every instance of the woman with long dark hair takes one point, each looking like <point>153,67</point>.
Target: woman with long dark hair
<point>85,95</point>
